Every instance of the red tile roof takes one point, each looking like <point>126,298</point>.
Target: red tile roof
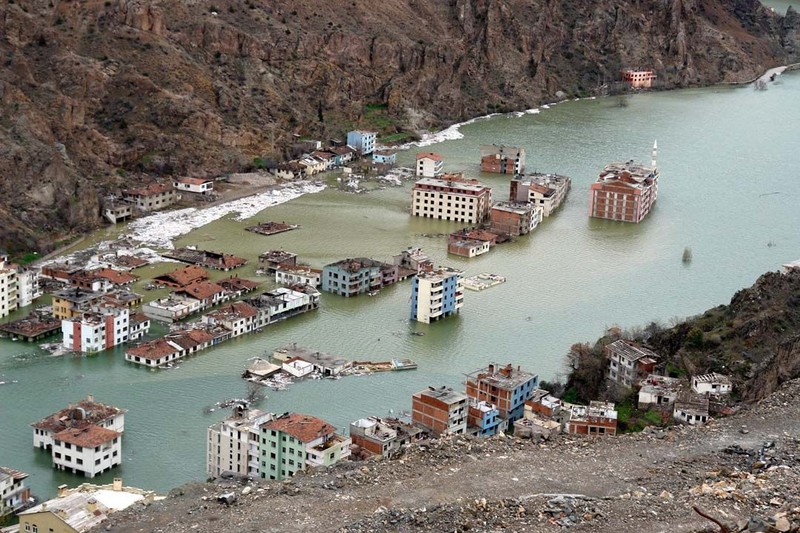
<point>88,437</point>
<point>429,155</point>
<point>193,181</point>
<point>115,276</point>
<point>184,276</point>
<point>152,350</point>
<point>72,416</point>
<point>201,290</point>
<point>304,428</point>
<point>237,284</point>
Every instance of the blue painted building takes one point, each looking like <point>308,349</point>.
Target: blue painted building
<point>484,419</point>
<point>384,157</point>
<point>351,277</point>
<point>437,294</point>
<point>506,387</point>
<point>362,141</point>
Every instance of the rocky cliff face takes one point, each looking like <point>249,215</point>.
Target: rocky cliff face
<point>94,92</point>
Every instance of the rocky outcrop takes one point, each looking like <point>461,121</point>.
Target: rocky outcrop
<point>97,92</point>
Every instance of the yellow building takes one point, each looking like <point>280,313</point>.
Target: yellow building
<point>82,508</point>
<point>71,303</point>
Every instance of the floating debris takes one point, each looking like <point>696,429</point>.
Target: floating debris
<point>483,281</point>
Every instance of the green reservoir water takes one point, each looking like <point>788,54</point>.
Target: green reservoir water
<point>730,184</point>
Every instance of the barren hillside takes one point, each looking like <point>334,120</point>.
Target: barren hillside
<point>96,92</point>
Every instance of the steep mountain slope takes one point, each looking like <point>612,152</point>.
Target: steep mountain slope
<point>94,92</point>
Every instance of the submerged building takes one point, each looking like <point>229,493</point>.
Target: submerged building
<point>624,191</point>
<point>437,294</point>
<point>451,197</point>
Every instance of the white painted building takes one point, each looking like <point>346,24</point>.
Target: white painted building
<point>451,198</point>
<point>691,409</point>
<point>28,289</point>
<point>543,190</point>
<point>232,446</point>
<point>90,450</point>
<point>82,437</point>
<point>294,274</point>
<point>194,185</point>
<point>100,329</point>
<point>658,391</point>
<point>8,286</point>
<point>714,384</point>
<point>429,165</point>
<point>13,491</point>
<point>172,308</point>
<point>297,367</point>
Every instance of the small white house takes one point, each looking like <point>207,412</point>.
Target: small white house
<point>297,367</point>
<point>194,185</point>
<point>715,384</point>
<point>691,409</point>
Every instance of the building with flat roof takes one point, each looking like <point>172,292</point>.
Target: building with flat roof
<point>351,277</point>
<point>8,286</point>
<point>429,165</point>
<point>628,362</point>
<point>382,436</point>
<point>293,442</point>
<point>294,274</point>
<point>69,303</point>
<point>81,509</point>
<point>713,383</point>
<point>500,159</point>
<point>100,329</point>
<point>441,411</point>
<point>451,197</point>
<point>624,191</point>
<point>638,79</point>
<point>437,294</point>
<point>691,408</point>
<point>546,191</point>
<point>272,259</point>
<point>506,387</point>
<point>659,391</point>
<point>514,218</point>
<point>232,444</point>
<point>362,141</point>
<point>598,418</point>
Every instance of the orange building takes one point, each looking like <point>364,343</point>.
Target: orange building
<point>624,191</point>
<point>639,79</point>
<point>442,411</point>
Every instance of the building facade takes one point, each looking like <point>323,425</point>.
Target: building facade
<point>639,79</point>
<point>152,197</point>
<point>713,384</point>
<point>101,329</point>
<point>384,157</point>
<point>13,491</point>
<point>8,286</point>
<point>351,277</point>
<point>506,387</point>
<point>232,444</point>
<point>451,198</point>
<point>515,218</point>
<point>441,411</point>
<point>500,159</point>
<point>624,191</point>
<point>381,436</point>
<point>598,418</point>
<point>294,442</point>
<point>437,294</point>
<point>362,141</point>
<point>294,274</point>
<point>546,191</point>
<point>629,363</point>
<point>194,185</point>
<point>429,165</point>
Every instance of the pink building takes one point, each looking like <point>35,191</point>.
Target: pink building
<point>639,79</point>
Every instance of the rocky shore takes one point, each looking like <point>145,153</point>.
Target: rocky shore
<point>742,471</point>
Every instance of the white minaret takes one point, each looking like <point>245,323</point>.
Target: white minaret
<point>655,152</point>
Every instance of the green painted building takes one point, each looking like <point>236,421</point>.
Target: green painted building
<point>293,442</point>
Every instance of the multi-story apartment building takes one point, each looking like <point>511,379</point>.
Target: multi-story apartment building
<point>629,363</point>
<point>413,258</point>
<point>71,303</point>
<point>28,289</point>
<point>429,165</point>
<point>437,294</point>
<point>441,411</point>
<point>506,387</point>
<point>13,491</point>
<point>351,277</point>
<point>233,443</point>
<point>85,437</point>
<point>639,79</point>
<point>152,197</point>
<point>624,192</point>
<point>599,418</point>
<point>515,218</point>
<point>293,442</point>
<point>8,286</point>
<point>451,197</point>
<point>484,419</point>
<point>362,141</point>
<point>100,329</point>
<point>302,274</point>
<point>382,436</point>
<point>542,190</point>
<point>502,159</point>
